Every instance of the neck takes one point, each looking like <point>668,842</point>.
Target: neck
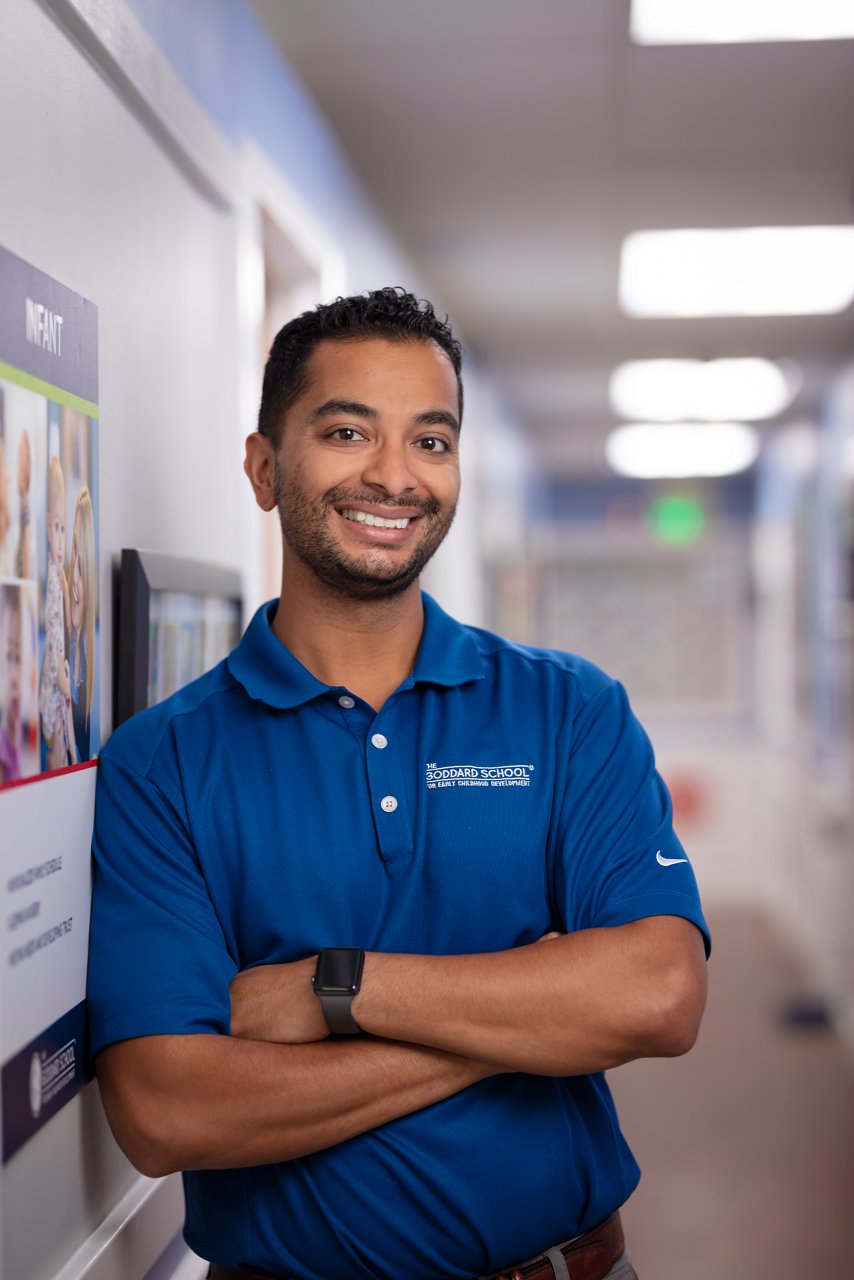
<point>369,646</point>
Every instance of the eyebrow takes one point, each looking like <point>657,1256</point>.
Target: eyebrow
<point>430,417</point>
<point>331,409</point>
<point>438,418</point>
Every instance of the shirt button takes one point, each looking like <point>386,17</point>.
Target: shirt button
<point>379,740</point>
<point>346,701</point>
<point>388,804</point>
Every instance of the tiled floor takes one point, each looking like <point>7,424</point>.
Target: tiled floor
<point>747,1143</point>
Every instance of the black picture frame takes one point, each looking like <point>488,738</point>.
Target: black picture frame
<point>142,576</point>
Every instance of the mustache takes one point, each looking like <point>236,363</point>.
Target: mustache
<point>341,497</point>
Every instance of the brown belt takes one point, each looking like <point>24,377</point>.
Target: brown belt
<point>587,1257</point>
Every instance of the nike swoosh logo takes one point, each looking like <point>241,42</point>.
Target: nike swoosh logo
<point>668,862</point>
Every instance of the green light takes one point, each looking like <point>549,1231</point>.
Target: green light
<point>677,519</point>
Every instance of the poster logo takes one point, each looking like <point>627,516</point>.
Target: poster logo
<point>49,1075</point>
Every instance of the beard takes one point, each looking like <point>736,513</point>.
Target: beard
<point>378,573</point>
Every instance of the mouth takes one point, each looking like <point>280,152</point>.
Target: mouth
<point>391,527</point>
<point>376,522</point>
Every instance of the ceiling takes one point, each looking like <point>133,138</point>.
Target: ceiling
<point>512,145</point>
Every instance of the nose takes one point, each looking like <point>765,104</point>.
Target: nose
<point>389,468</point>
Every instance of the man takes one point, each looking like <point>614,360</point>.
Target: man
<point>471,837</point>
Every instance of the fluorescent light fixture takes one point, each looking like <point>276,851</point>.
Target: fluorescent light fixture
<point>678,450</point>
<point>739,271</point>
<point>740,21</point>
<point>709,390</point>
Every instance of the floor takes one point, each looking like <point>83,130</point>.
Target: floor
<point>747,1143</point>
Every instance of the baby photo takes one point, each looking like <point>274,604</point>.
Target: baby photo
<point>68,686</point>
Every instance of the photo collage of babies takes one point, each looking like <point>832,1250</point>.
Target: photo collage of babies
<point>49,617</point>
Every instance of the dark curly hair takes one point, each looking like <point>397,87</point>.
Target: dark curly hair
<point>389,313</point>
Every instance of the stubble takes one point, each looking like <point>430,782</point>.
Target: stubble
<point>376,575</point>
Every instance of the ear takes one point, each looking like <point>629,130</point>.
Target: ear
<point>259,465</point>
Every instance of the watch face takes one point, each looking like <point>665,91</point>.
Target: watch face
<point>339,969</point>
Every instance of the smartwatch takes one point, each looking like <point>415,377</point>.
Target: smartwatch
<point>336,981</point>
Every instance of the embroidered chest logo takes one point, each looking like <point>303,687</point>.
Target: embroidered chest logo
<point>478,775</point>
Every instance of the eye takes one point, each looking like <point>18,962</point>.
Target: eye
<point>433,444</point>
<point>347,435</point>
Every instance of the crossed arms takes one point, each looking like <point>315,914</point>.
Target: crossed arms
<point>277,1088</point>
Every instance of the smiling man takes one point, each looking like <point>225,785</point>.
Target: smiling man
<point>397,491</point>
<point>380,898</point>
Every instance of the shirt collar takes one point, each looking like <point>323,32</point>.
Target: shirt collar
<point>267,670</point>
<point>271,674</point>
<point>447,654</point>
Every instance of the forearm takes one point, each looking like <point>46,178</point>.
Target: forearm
<point>206,1101</point>
<point>576,1004</point>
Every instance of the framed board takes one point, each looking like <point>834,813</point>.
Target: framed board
<point>177,619</point>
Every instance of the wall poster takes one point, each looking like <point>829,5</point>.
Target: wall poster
<point>49,686</point>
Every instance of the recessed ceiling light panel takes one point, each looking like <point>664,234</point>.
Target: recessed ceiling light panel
<point>738,271</point>
<point>709,390</point>
<point>679,450</point>
<point>740,21</point>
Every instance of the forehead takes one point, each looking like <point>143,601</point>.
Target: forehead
<point>374,370</point>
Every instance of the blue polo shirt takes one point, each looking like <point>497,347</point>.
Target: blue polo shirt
<point>260,815</point>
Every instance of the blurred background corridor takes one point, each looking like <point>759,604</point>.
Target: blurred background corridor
<point>640,219</point>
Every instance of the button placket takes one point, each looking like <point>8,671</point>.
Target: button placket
<point>354,716</point>
<point>388,798</point>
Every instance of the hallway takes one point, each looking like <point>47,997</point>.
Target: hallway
<point>747,1144</point>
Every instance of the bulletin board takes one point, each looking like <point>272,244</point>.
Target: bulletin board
<point>49,686</point>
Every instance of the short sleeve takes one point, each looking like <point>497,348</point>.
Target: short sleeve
<point>617,856</point>
<point>158,961</point>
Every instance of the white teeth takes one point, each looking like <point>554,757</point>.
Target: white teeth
<point>364,517</point>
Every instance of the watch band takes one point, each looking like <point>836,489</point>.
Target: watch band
<point>336,1011</point>
<point>336,982</point>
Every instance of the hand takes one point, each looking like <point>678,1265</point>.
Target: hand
<point>276,1002</point>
